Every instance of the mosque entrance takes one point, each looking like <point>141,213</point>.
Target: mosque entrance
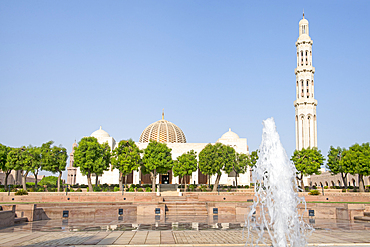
<point>166,178</point>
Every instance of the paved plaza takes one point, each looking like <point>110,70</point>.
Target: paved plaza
<point>59,233</point>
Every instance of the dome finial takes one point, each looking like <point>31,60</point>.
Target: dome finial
<point>303,13</point>
<point>163,114</point>
<point>100,126</point>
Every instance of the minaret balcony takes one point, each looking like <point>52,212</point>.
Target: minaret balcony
<point>304,68</point>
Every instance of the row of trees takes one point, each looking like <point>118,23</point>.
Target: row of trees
<point>33,159</point>
<point>94,158</point>
<point>355,160</point>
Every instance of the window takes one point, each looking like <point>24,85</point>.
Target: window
<point>302,83</point>
<point>307,83</point>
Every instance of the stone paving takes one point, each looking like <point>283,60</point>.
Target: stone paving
<point>109,232</point>
<point>169,238</point>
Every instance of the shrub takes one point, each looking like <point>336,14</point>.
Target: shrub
<point>40,189</point>
<point>116,188</point>
<point>30,184</point>
<point>314,192</point>
<point>131,189</point>
<point>106,189</point>
<point>49,181</point>
<point>31,190</point>
<point>307,189</point>
<point>2,190</point>
<point>344,190</point>
<point>71,190</point>
<point>96,189</point>
<point>21,192</point>
<point>148,189</point>
<point>79,190</point>
<point>192,187</point>
<point>140,190</point>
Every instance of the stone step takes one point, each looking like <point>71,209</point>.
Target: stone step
<point>185,208</point>
<point>362,218</point>
<point>20,220</point>
<point>187,212</point>
<point>367,214</point>
<point>174,199</point>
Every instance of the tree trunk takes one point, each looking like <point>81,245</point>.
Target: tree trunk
<point>182,181</point>
<point>361,184</point>
<point>120,181</point>
<point>96,179</point>
<point>216,182</point>
<point>6,178</point>
<point>236,180</point>
<point>344,179</point>
<point>302,184</point>
<point>35,174</point>
<point>125,180</point>
<point>153,177</point>
<point>24,177</point>
<point>59,177</point>
<point>89,182</point>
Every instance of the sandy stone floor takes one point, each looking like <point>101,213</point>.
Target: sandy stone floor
<point>110,233</point>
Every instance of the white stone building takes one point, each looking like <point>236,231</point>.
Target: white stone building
<point>165,132</point>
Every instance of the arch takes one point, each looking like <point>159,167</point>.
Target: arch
<point>353,182</point>
<point>338,182</point>
<point>332,183</point>
<point>302,121</point>
<point>326,183</point>
<point>315,184</point>
<point>321,184</point>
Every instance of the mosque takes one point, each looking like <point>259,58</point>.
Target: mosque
<point>165,132</point>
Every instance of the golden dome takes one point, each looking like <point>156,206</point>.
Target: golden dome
<point>163,131</point>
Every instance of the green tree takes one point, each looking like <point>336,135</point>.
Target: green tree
<point>53,159</point>
<point>6,168</point>
<point>157,159</point>
<point>357,161</point>
<point>24,159</point>
<point>126,158</point>
<point>214,159</point>
<point>90,157</point>
<point>253,158</point>
<point>307,162</point>
<point>104,166</point>
<point>242,162</point>
<point>36,164</point>
<point>185,164</point>
<point>335,163</point>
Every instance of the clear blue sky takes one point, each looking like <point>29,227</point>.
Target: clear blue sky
<point>67,67</point>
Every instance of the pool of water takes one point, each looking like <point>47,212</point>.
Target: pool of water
<point>162,223</point>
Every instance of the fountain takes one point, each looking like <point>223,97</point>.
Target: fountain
<point>275,208</point>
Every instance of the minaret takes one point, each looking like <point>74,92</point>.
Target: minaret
<point>71,170</point>
<point>305,104</point>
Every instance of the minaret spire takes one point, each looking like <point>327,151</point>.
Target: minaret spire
<point>163,114</point>
<point>303,13</point>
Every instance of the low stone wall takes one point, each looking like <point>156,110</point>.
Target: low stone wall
<point>7,216</point>
<point>41,197</point>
